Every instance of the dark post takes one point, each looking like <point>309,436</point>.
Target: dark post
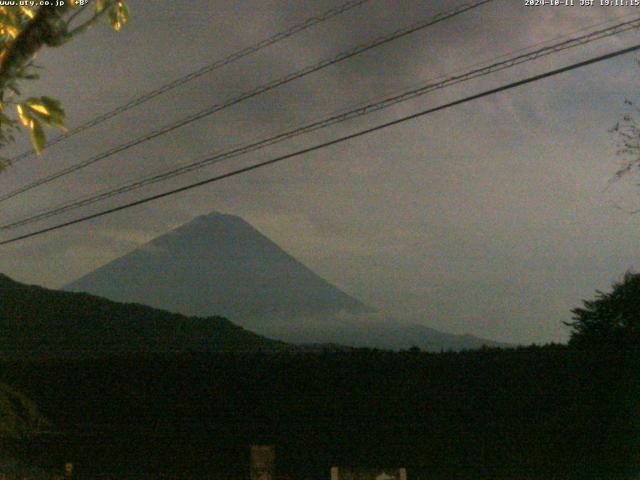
<point>262,462</point>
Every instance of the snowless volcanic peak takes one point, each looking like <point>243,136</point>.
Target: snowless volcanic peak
<point>218,264</point>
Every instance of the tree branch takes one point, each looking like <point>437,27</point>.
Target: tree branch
<point>46,28</point>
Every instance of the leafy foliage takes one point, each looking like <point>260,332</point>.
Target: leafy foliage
<point>23,32</point>
<point>33,112</point>
<point>612,319</point>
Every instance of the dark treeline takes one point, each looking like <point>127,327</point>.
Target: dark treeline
<point>536,412</point>
<point>36,322</point>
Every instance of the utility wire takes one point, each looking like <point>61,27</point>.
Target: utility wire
<point>250,94</point>
<point>308,23</point>
<point>336,141</point>
<point>334,119</point>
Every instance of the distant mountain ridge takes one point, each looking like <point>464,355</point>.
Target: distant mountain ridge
<point>385,332</point>
<point>37,322</point>
<point>218,264</point>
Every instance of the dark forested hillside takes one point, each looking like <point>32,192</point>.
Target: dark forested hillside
<point>528,413</point>
<point>37,322</point>
<point>130,389</point>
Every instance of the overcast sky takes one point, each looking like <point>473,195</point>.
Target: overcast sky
<point>490,218</point>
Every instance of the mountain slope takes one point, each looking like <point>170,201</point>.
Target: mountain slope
<point>218,264</point>
<point>36,322</point>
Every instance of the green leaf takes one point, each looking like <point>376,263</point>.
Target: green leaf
<point>114,18</point>
<point>52,104</point>
<point>56,112</point>
<point>38,138</point>
<point>49,110</point>
<point>118,15</point>
<point>24,113</point>
<point>123,12</point>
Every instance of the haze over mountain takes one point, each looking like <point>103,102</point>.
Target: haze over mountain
<point>379,330</point>
<point>219,264</point>
<point>36,322</point>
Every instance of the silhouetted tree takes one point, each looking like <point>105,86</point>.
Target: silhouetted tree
<point>612,319</point>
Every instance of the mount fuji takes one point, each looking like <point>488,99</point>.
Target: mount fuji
<point>218,264</point>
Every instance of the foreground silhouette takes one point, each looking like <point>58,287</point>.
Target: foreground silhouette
<point>612,320</point>
<point>536,412</point>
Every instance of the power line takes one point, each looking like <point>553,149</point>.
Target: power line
<point>250,94</point>
<point>334,119</point>
<point>336,141</point>
<point>278,37</point>
<point>369,108</point>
